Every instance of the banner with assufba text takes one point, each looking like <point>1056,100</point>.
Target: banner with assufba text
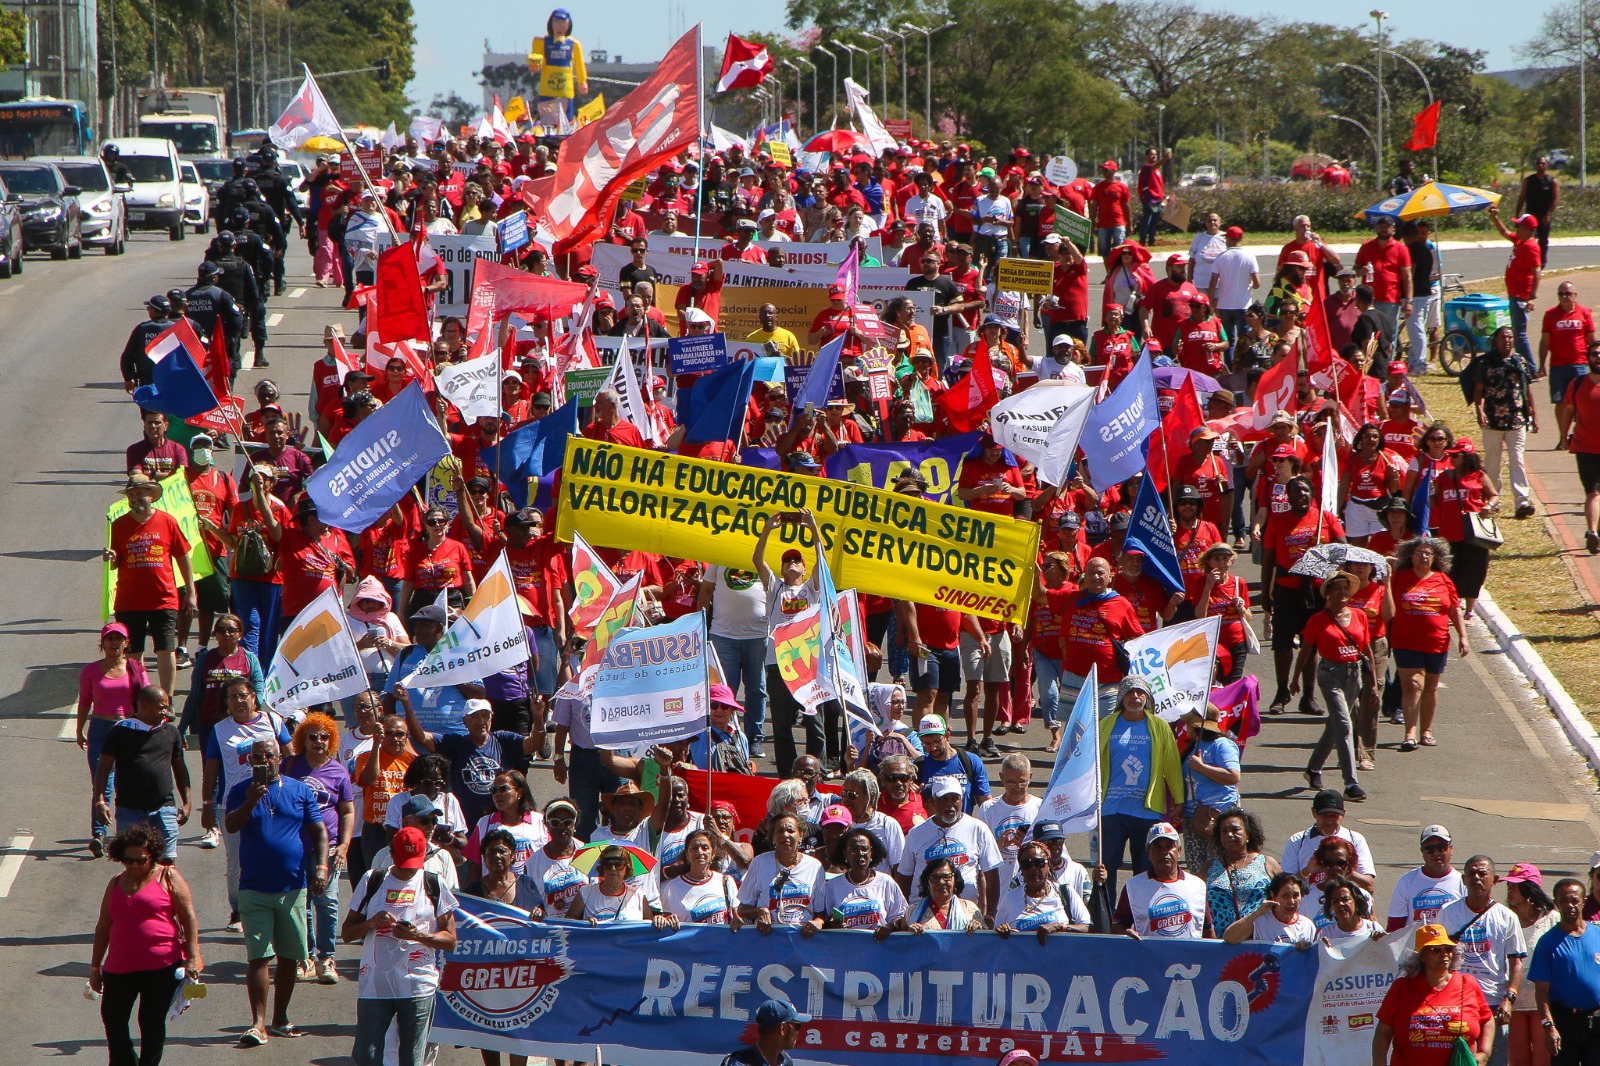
<point>689,997</point>
<point>878,542</point>
<point>652,685</point>
<point>373,467</point>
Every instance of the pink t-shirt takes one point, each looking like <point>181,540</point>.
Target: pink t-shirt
<point>144,929</point>
<point>110,697</point>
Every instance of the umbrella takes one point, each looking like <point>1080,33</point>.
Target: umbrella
<point>1325,559</point>
<point>1173,377</point>
<point>319,143</point>
<point>1429,201</point>
<point>586,857</point>
<point>836,141</point>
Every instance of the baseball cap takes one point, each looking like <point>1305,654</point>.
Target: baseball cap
<point>1433,936</point>
<point>1199,299</point>
<point>696,317</point>
<point>745,223</point>
<point>1463,446</point>
<point>945,785</point>
<point>1046,831</point>
<point>418,805</point>
<point>933,724</point>
<point>776,1012</point>
<point>1050,238</point>
<point>1400,396</point>
<point>793,554</point>
<point>1109,164</point>
<point>1327,800</point>
<point>1431,831</point>
<point>1061,340</point>
<point>836,289</point>
<point>1526,873</point>
<point>1526,220</point>
<point>159,303</point>
<point>1398,366</point>
<point>1283,451</point>
<point>1178,259</point>
<point>804,459</point>
<point>409,848</point>
<point>114,629</point>
<point>1162,831</point>
<point>431,613</point>
<point>1233,233</point>
<point>836,814</point>
<point>476,706</point>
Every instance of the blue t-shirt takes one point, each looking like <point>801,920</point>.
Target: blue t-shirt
<point>1571,965</point>
<point>976,784</point>
<point>1224,753</point>
<point>1128,783</point>
<point>439,710</point>
<point>272,850</point>
<point>473,769</point>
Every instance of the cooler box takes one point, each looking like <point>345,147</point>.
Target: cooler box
<point>1478,313</point>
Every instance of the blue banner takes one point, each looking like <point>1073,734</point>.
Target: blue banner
<point>512,232</point>
<point>533,451</point>
<point>653,685</point>
<point>879,464</point>
<point>1150,532</point>
<point>560,989</point>
<point>818,383</point>
<point>378,462</point>
<point>1115,435</point>
<point>698,354</point>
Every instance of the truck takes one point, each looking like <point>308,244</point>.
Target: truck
<point>195,120</point>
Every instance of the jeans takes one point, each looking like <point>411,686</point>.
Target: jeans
<point>587,779</point>
<point>256,603</point>
<point>996,248</point>
<point>1389,314</point>
<point>743,659</point>
<point>1371,706</point>
<point>96,735</point>
<point>898,659</point>
<point>1519,326</point>
<point>1233,322</point>
<point>1341,691</point>
<point>1107,238</point>
<point>1072,684</point>
<point>152,990</point>
<point>1417,332</point>
<point>1048,671</point>
<point>164,819</point>
<point>784,713</point>
<point>1149,222</point>
<point>1117,833</point>
<point>1495,443</point>
<point>413,1018</point>
<point>323,923</point>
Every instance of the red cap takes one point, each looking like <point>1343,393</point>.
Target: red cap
<point>700,268</point>
<point>1199,299</point>
<point>1109,164</point>
<point>1283,451</point>
<point>1233,233</point>
<point>963,148</point>
<point>1526,220</point>
<point>836,289</point>
<point>1464,446</point>
<point>1398,367</point>
<point>1023,152</point>
<point>409,848</point>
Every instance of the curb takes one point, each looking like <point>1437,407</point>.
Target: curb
<point>1579,732</point>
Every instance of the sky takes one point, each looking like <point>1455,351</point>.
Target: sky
<point>450,33</point>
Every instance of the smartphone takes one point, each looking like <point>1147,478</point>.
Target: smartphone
<point>259,775</point>
<point>811,410</point>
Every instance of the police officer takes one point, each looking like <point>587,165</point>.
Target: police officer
<point>136,366</point>
<point>213,309</point>
<point>264,221</point>
<point>230,196</point>
<point>111,156</point>
<point>178,300</point>
<point>275,188</point>
<point>238,279</point>
<point>251,248</point>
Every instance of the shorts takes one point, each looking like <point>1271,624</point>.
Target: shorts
<point>940,671</point>
<point>993,670</point>
<point>1429,662</point>
<point>1360,520</point>
<point>1588,471</point>
<point>213,593</point>
<point>160,626</point>
<point>1290,613</point>
<point>1561,377</point>
<point>274,924</point>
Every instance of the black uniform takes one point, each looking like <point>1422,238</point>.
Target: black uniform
<point>253,250</point>
<point>264,224</point>
<point>136,366</point>
<point>275,191</point>
<point>214,309</point>
<point>237,280</point>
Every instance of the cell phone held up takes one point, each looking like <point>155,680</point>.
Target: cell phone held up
<point>260,775</point>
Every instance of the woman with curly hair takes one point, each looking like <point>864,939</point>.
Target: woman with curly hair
<point>314,760</point>
<point>1237,881</point>
<point>1426,608</point>
<point>1464,491</point>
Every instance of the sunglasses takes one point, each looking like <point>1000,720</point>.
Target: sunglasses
<point>437,522</point>
<point>1435,847</point>
<point>324,737</point>
<point>225,629</point>
<point>504,788</point>
<point>898,779</point>
<point>1032,864</point>
<point>140,860</point>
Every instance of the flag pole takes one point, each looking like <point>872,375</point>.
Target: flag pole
<point>361,170</point>
<point>700,141</point>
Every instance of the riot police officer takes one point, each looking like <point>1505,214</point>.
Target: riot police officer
<point>230,196</point>
<point>213,309</point>
<point>135,365</point>
<point>238,279</point>
<point>264,222</point>
<point>251,248</point>
<point>275,189</point>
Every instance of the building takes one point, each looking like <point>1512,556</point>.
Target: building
<point>62,59</point>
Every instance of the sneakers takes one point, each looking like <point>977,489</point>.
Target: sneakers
<point>988,748</point>
<point>327,974</point>
<point>97,847</point>
<point>972,744</point>
<point>1355,793</point>
<point>234,924</point>
<point>182,656</point>
<point>305,971</point>
<point>211,839</point>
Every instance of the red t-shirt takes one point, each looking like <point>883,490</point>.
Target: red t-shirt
<point>1381,263</point>
<point>537,569</point>
<point>1521,269</point>
<point>1384,543</point>
<point>1568,334</point>
<point>384,548</point>
<point>963,196</point>
<point>145,553</point>
<point>1223,593</point>
<point>1211,478</point>
<point>1333,645</point>
<point>752,254</point>
<point>1369,479</point>
<point>327,386</point>
<point>1426,1022</point>
<point>620,433</point>
<point>307,565</point>
<point>1194,337</point>
<point>708,299</point>
<point>1370,601</point>
<point>1400,437</point>
<point>1289,538</point>
<point>1583,396</point>
<point>1110,199</point>
<point>1113,351</point>
<point>836,321</point>
<point>1191,544</point>
<point>214,496</point>
<point>484,557</point>
<point>1457,496</point>
<point>1313,253</point>
<point>1169,304</point>
<point>1070,287</point>
<point>443,567</point>
<point>246,515</point>
<point>1147,596</point>
<point>1088,627</point>
<point>1045,620</point>
<point>1422,609</point>
<point>975,472</point>
<point>938,628</point>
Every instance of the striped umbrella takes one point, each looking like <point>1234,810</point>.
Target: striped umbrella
<point>1429,201</point>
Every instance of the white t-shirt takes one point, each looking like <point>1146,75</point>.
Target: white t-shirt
<point>890,835</point>
<point>352,745</point>
<point>1487,944</point>
<point>1008,306</point>
<point>706,903</point>
<point>789,893</point>
<point>1010,824</point>
<point>437,860</point>
<point>1269,930</point>
<point>530,835</point>
<point>994,214</point>
<point>878,902</point>
<point>1175,910</point>
<point>628,907</point>
<point>1048,369</point>
<point>1022,911</point>
<point>454,817</point>
<point>392,968</point>
<point>968,844</point>
<point>1233,270</point>
<point>1071,875</point>
<point>638,836</point>
<point>1338,937</point>
<point>783,603</point>
<point>669,849</point>
<point>1311,905</point>
<point>1302,845</point>
<point>1203,252</point>
<point>932,209</point>
<point>231,742</point>
<point>1419,898</point>
<point>556,880</point>
<point>738,604</point>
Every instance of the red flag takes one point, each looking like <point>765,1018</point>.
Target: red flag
<point>1274,393</point>
<point>402,312</point>
<point>1319,347</point>
<point>1170,443</point>
<point>967,402</point>
<point>747,792</point>
<point>1424,128</point>
<point>219,371</point>
<point>513,291</point>
<point>745,64</point>
<point>344,357</point>
<point>359,296</point>
<point>647,127</point>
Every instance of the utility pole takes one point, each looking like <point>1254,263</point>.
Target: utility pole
<point>927,69</point>
<point>1379,16</point>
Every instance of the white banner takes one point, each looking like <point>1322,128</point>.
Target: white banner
<point>799,253</point>
<point>1178,662</point>
<point>473,386</point>
<point>484,639</point>
<point>316,661</point>
<point>1072,796</point>
<point>652,686</point>
<point>631,406</point>
<point>1351,982</point>
<point>879,137</point>
<point>1042,424</point>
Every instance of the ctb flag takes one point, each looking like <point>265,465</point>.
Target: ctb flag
<point>745,64</point>
<point>316,661</point>
<point>486,638</point>
<point>1424,128</point>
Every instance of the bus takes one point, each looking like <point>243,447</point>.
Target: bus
<point>44,126</point>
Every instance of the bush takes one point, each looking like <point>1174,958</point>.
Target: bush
<point>1266,206</point>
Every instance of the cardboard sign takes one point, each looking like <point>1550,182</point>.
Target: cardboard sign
<point>1026,275</point>
<point>794,378</point>
<point>1176,214</point>
<point>1073,226</point>
<point>634,192</point>
<point>1060,170</point>
<point>697,355</point>
<point>371,160</point>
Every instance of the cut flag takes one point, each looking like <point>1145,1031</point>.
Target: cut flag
<point>177,387</point>
<point>593,587</point>
<point>1170,443</point>
<point>966,403</point>
<point>401,312</point>
<point>745,64</point>
<point>1424,128</point>
<point>307,115</point>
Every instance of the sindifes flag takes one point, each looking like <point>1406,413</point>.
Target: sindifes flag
<point>745,64</point>
<point>484,639</point>
<point>316,661</point>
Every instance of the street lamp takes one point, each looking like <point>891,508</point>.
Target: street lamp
<point>854,48</point>
<point>900,46</point>
<point>1160,130</point>
<point>798,102</point>
<point>777,88</point>
<point>833,60</point>
<point>1427,88</point>
<point>927,68</point>
<point>765,98</point>
<point>1379,16</point>
<point>807,63</point>
<point>1375,149</point>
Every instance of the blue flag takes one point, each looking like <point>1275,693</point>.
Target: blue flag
<point>1117,432</point>
<point>879,463</point>
<point>814,390</point>
<point>1149,532</point>
<point>1073,796</point>
<point>376,465</point>
<point>178,388</point>
<point>532,451</point>
<point>714,409</point>
<point>1421,503</point>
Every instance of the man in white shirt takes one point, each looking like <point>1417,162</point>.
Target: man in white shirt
<point>1166,900</point>
<point>1204,249</point>
<point>1488,935</point>
<point>393,909</point>
<point>1327,812</point>
<point>789,592</point>
<point>952,834</point>
<point>1422,893</point>
<point>993,214</point>
<point>1011,814</point>
<point>925,206</point>
<point>1234,275</point>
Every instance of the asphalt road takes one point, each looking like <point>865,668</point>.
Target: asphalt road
<point>1501,778</point>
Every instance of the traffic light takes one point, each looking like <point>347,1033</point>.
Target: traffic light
<point>383,68</point>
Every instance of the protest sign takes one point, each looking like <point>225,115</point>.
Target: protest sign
<point>878,465</point>
<point>1042,425</point>
<point>689,995</point>
<point>369,159</point>
<point>512,232</point>
<point>583,384</point>
<point>795,376</point>
<point>798,253</point>
<point>634,191</point>
<point>781,156</point>
<point>652,686</point>
<point>1061,170</point>
<point>1074,227</point>
<point>316,661</point>
<point>177,502</point>
<point>697,355</point>
<point>1177,213</point>
<point>473,386</point>
<point>378,462</point>
<point>1026,275</point>
<point>1178,661</point>
<point>878,542</point>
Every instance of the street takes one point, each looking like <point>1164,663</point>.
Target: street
<point>1502,777</point>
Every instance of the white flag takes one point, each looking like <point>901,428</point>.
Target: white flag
<point>626,382</point>
<point>722,140</point>
<point>307,115</point>
<point>484,639</point>
<point>316,661</point>
<point>875,132</point>
<point>1042,425</point>
<point>1072,797</point>
<point>1330,467</point>
<point>1179,662</point>
<point>390,138</point>
<point>427,130</point>
<point>473,386</point>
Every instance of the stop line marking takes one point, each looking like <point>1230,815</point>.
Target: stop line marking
<point>15,851</point>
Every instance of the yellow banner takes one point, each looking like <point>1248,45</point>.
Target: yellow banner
<point>880,542</point>
<point>1026,275</point>
<point>797,308</point>
<point>634,193</point>
<point>592,110</point>
<point>177,502</point>
<point>780,153</point>
<point>516,109</point>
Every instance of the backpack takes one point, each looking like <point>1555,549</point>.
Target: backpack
<point>726,758</point>
<point>895,743</point>
<point>252,558</point>
<point>430,884</point>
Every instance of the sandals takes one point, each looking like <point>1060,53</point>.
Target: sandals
<point>252,1038</point>
<point>1428,741</point>
<point>288,1030</point>
<point>1408,744</point>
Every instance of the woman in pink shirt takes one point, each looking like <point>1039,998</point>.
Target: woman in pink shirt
<point>106,693</point>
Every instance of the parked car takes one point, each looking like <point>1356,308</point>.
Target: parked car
<point>12,241</point>
<point>196,198</point>
<point>51,217</point>
<point>102,207</point>
<point>1205,175</point>
<point>1558,157</point>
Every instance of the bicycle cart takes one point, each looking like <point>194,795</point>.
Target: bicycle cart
<point>1469,323</point>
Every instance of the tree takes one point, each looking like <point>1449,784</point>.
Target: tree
<point>453,111</point>
<point>13,37</point>
<point>344,34</point>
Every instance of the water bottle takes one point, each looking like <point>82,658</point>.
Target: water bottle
<point>89,993</point>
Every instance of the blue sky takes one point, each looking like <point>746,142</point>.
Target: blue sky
<point>450,35</point>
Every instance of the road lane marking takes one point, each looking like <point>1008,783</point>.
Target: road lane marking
<point>274,318</point>
<point>69,728</point>
<point>295,294</point>
<point>15,851</point>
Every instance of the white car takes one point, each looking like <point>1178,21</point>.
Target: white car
<point>104,209</point>
<point>294,172</point>
<point>1205,175</point>
<point>196,198</point>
